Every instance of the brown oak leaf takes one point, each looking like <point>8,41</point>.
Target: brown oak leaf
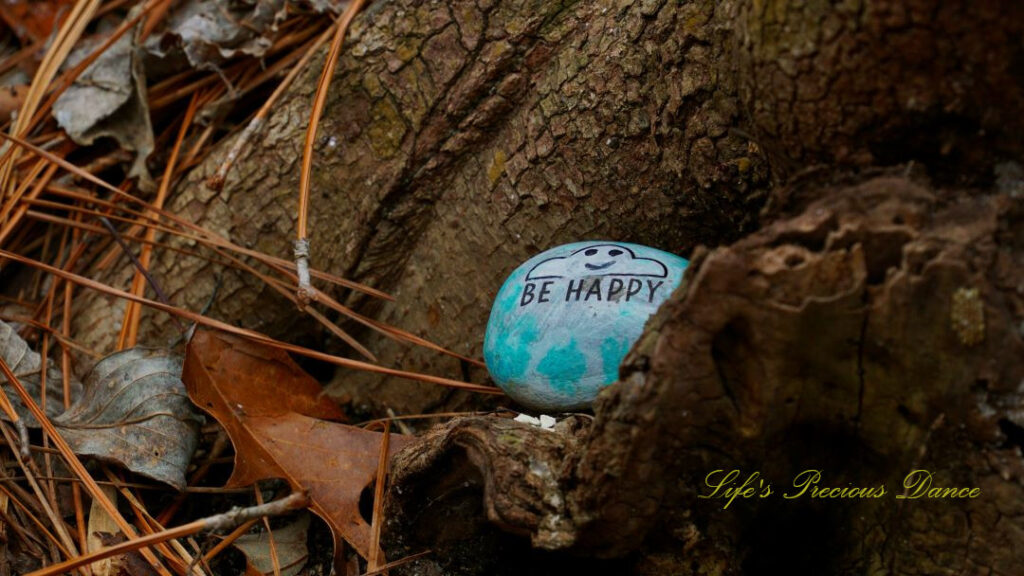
<point>279,424</point>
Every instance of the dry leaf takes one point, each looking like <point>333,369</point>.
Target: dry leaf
<point>100,523</point>
<point>11,98</point>
<point>134,411</point>
<point>209,32</point>
<point>322,6</point>
<point>33,21</point>
<point>108,100</point>
<point>273,412</point>
<point>25,364</point>
<point>289,542</point>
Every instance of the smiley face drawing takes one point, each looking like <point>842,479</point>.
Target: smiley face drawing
<point>598,260</point>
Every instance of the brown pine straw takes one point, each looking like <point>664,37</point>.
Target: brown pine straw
<point>44,352</point>
<point>202,234</point>
<point>294,501</point>
<point>270,533</point>
<point>304,293</point>
<point>280,264</point>
<point>252,335</point>
<point>279,286</point>
<point>376,559</point>
<point>396,563</point>
<point>231,261</point>
<point>75,464</point>
<point>68,35</point>
<point>133,312</point>
<point>65,367</point>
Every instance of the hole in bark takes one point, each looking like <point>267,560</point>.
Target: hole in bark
<point>794,537</point>
<point>813,240</point>
<point>804,535</point>
<point>953,148</point>
<point>794,260</point>
<point>442,509</point>
<point>882,251</point>
<point>366,502</point>
<point>898,219</point>
<point>1014,433</point>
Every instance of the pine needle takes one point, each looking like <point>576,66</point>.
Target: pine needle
<point>305,293</point>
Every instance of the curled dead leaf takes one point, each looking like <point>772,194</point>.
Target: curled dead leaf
<point>108,100</point>
<point>26,366</point>
<point>134,411</point>
<point>207,33</point>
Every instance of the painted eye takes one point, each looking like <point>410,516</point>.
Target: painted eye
<point>614,252</point>
<point>591,252</point>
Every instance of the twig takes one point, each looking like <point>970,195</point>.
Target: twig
<point>140,268</point>
<point>272,544</point>
<point>250,334</point>
<point>217,522</point>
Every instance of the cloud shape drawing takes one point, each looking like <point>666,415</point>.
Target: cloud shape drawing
<point>598,260</point>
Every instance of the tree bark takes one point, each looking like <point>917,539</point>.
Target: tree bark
<point>875,333</point>
<point>460,139</point>
<point>862,321</point>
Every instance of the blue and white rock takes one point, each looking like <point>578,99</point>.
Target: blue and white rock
<point>563,321</point>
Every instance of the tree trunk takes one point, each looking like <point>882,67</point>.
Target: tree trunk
<point>875,333</point>
<point>461,138</point>
<point>860,321</point>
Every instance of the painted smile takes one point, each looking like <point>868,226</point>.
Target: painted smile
<point>599,266</point>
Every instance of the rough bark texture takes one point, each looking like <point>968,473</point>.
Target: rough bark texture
<point>869,82</point>
<point>872,326</point>
<point>460,139</point>
<point>469,484</point>
<point>877,332</point>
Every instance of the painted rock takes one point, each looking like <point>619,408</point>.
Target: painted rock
<point>563,321</point>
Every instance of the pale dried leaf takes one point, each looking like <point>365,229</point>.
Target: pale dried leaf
<point>134,411</point>
<point>101,523</point>
<point>289,541</point>
<point>321,6</point>
<point>209,32</point>
<point>108,100</point>
<point>26,366</point>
